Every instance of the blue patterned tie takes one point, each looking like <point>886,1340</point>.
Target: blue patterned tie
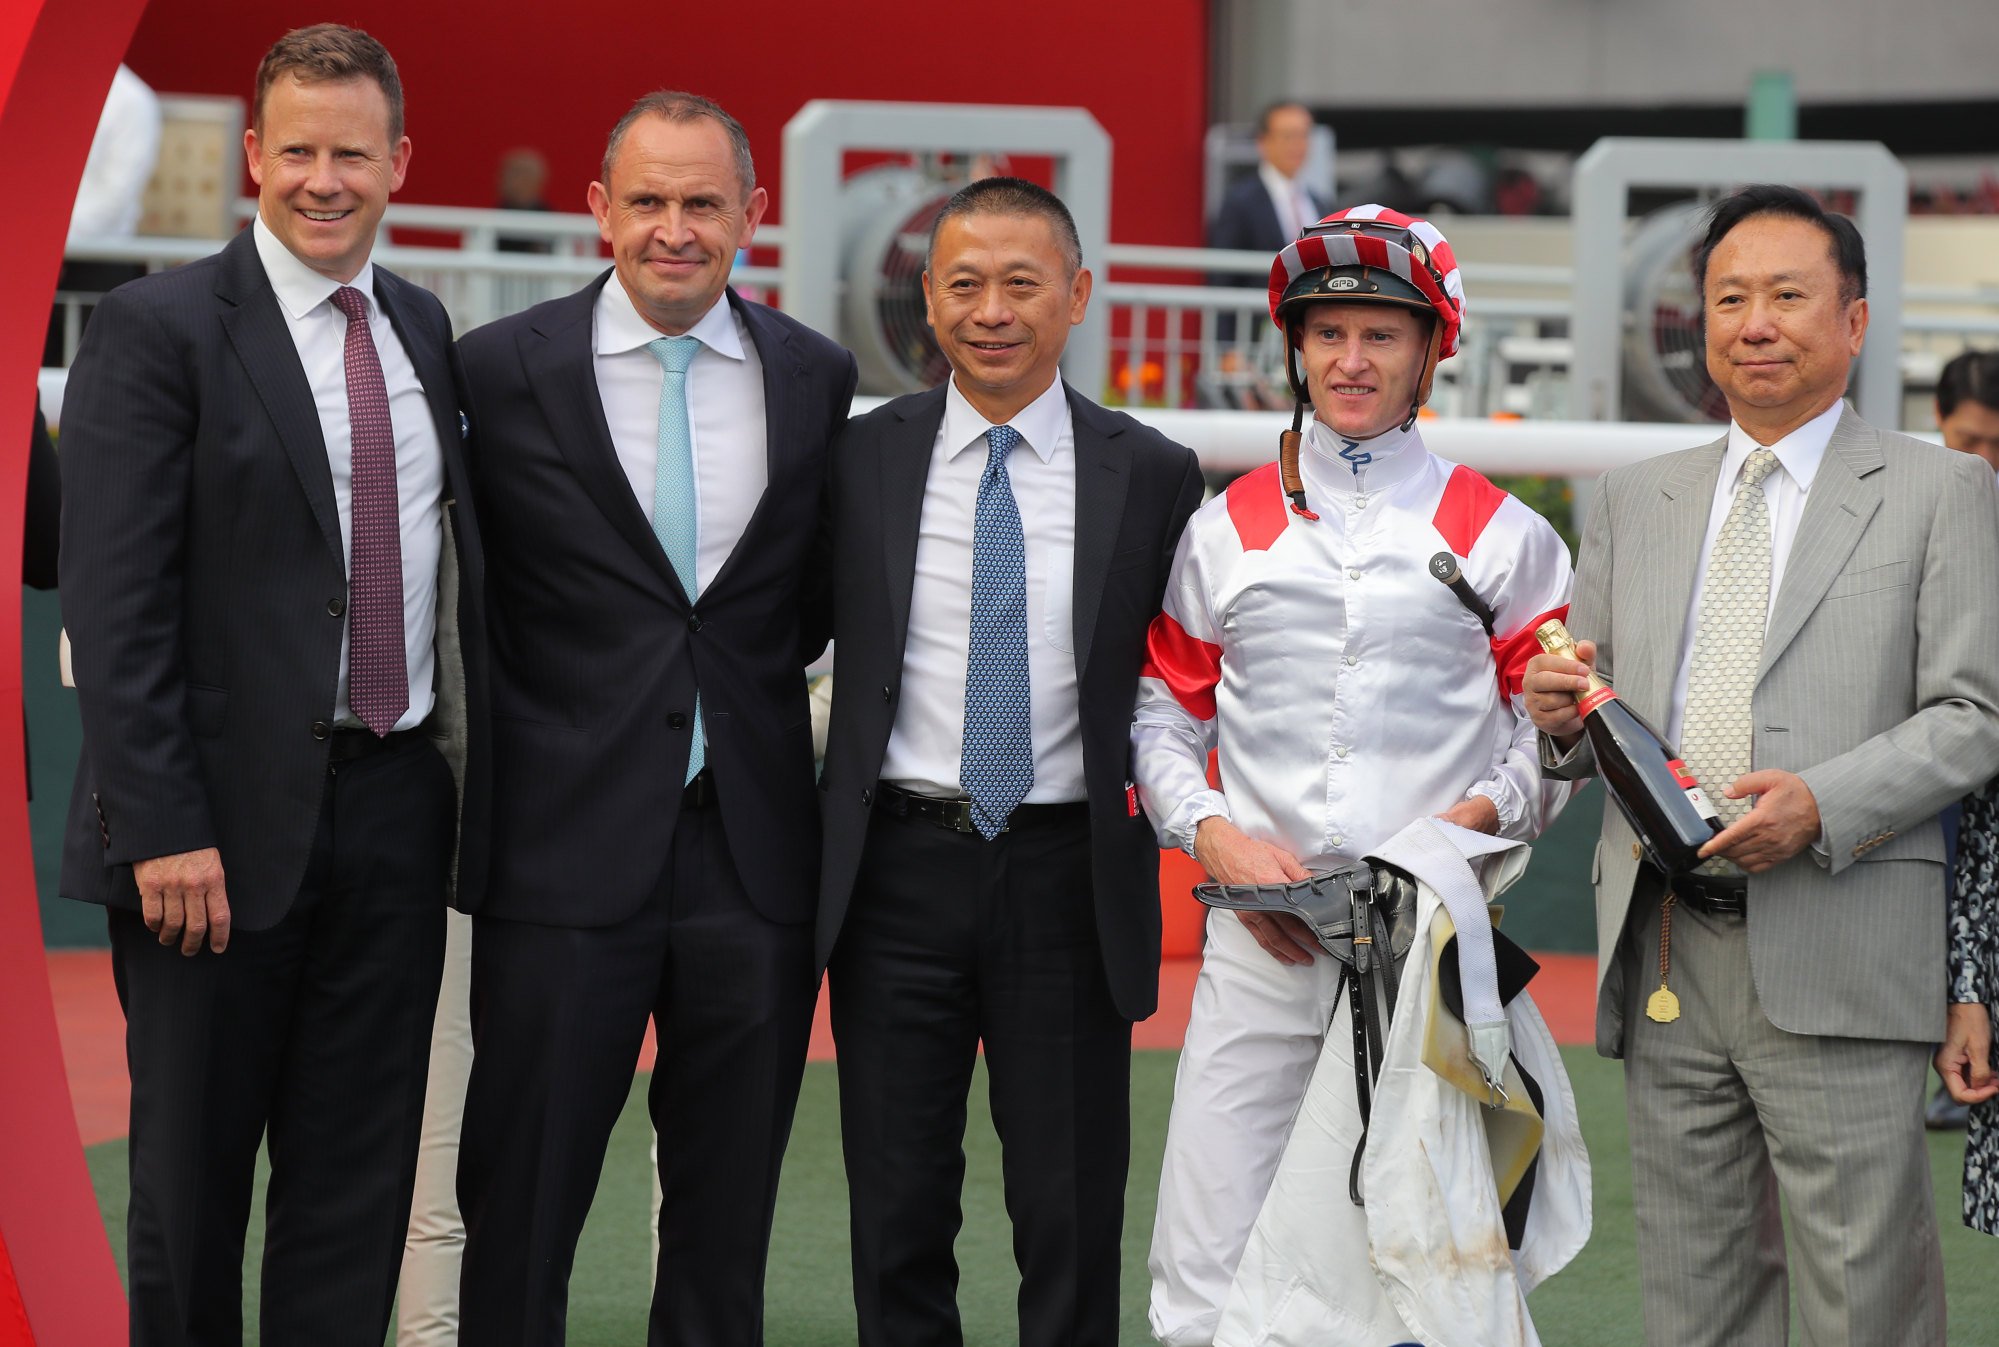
<point>673,516</point>
<point>997,768</point>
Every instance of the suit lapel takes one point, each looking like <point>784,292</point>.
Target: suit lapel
<point>557,357</point>
<point>257,329</point>
<point>426,351</point>
<point>905,469</point>
<point>1842,499</point>
<point>1667,575</point>
<point>1103,461</point>
<point>784,442</point>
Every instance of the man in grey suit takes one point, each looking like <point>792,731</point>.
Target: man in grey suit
<point>1805,607</point>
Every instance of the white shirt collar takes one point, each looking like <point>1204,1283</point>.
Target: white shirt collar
<point>299,288</point>
<point>1354,466</point>
<point>1274,181</point>
<point>619,328</point>
<point>1041,422</point>
<point>1799,453</point>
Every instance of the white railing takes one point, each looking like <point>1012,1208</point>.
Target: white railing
<point>1167,323</point>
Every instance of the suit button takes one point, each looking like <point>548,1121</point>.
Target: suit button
<point>336,605</point>
<point>694,622</point>
<point>887,696</point>
<point>676,721</point>
<point>321,730</point>
<point>868,796</point>
<point>1637,852</point>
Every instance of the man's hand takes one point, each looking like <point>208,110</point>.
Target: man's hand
<point>1478,813</point>
<point>184,901</point>
<point>1784,821</point>
<point>1231,857</point>
<point>1551,684</point>
<point>1965,1059</point>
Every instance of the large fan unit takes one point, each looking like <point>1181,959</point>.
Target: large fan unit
<point>886,213</point>
<point>1665,358</point>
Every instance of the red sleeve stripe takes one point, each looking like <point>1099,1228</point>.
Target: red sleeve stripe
<point>1468,505</point>
<point>1256,508</point>
<point>1189,667</point>
<point>1510,654</point>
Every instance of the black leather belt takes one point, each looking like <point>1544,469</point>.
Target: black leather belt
<point>700,792</point>
<point>956,815</point>
<point>351,745</point>
<point>1717,896</point>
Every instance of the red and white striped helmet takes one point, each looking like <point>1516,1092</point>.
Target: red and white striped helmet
<point>1372,255</point>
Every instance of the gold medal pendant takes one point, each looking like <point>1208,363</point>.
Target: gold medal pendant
<point>1662,1005</point>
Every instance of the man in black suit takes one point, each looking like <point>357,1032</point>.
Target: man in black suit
<point>271,579</point>
<point>651,463</point>
<point>1264,210</point>
<point>1001,543</point>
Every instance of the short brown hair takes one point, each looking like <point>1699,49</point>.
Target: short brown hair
<point>674,105</point>
<point>330,52</point>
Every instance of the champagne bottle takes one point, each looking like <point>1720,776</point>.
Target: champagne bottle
<point>1644,774</point>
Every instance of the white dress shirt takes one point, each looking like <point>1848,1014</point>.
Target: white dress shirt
<point>319,331</point>
<point>111,196</point>
<point>1293,204</point>
<point>725,413</point>
<point>1798,456</point>
<point>928,739</point>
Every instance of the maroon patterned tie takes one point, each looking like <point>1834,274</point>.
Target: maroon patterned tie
<point>378,679</point>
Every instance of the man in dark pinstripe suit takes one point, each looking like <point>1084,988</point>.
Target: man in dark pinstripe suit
<point>272,581</point>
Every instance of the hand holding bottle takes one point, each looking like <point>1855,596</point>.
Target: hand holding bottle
<point>1552,684</point>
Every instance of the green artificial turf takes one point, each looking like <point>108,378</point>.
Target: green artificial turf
<point>1594,1303</point>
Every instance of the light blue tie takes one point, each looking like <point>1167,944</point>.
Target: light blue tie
<point>997,768</point>
<point>674,520</point>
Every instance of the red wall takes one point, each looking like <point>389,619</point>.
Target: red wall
<point>482,79</point>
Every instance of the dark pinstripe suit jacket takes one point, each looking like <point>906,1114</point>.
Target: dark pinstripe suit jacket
<point>203,583</point>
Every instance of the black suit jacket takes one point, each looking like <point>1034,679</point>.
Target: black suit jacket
<point>204,585</point>
<point>1246,219</point>
<point>598,652</point>
<point>1134,491</point>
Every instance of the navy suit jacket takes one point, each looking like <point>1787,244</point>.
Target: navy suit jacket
<point>204,585</point>
<point>598,651</point>
<point>1134,491</point>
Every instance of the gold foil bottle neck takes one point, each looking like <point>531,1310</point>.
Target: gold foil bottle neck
<point>1556,639</point>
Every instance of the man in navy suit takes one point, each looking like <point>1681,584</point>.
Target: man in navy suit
<point>271,579</point>
<point>1264,210</point>
<point>653,451</point>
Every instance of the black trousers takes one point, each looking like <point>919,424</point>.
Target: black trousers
<point>317,1032</point>
<point>558,1017</point>
<point>951,941</point>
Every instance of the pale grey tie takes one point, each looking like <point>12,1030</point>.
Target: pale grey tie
<point>1719,730</point>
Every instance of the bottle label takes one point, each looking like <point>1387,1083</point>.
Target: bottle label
<point>1592,700</point>
<point>1692,787</point>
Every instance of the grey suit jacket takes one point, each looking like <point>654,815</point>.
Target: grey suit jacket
<point>1879,686</point>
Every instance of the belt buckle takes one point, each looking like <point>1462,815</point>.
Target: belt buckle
<point>957,816</point>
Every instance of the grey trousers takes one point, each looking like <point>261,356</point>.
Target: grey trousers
<point>1728,1112</point>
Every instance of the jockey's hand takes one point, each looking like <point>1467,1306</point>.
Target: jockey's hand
<point>1232,857</point>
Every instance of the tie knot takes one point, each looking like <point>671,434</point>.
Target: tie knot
<point>350,302</point>
<point>676,353</point>
<point>1759,465</point>
<point>1000,441</point>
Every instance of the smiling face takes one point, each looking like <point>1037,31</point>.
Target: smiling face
<point>674,213</point>
<point>1362,364</point>
<point>1781,336</point>
<point>325,166</point>
<point>1001,299</point>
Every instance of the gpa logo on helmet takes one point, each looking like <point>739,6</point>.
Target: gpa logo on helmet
<point>1343,283</point>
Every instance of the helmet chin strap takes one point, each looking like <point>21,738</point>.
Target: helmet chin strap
<point>1289,443</point>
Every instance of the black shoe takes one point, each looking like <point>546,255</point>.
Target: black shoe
<point>1945,1114</point>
